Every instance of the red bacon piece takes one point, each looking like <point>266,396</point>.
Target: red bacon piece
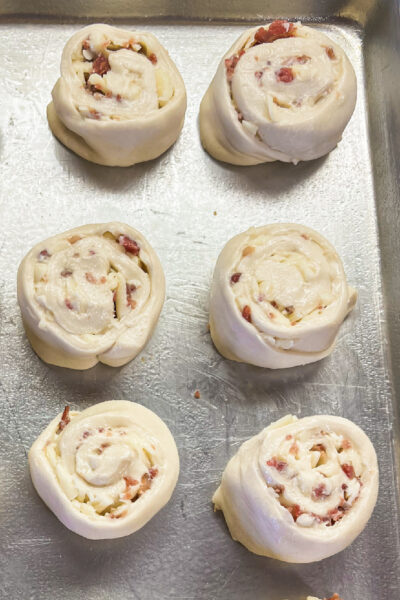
<point>330,52</point>
<point>279,465</point>
<point>320,491</point>
<point>277,30</point>
<point>285,74</point>
<point>295,511</point>
<point>246,313</point>
<point>235,277</point>
<point>130,245</point>
<point>349,470</point>
<point>230,64</point>
<point>101,66</point>
<point>64,420</point>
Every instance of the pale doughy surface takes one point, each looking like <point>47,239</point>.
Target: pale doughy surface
<point>301,490</point>
<point>279,295</point>
<point>120,99</point>
<point>287,99</point>
<point>91,294</point>
<point>108,471</point>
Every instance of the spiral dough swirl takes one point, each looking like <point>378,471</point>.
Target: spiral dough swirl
<point>282,92</point>
<point>278,297</point>
<point>106,471</point>
<point>120,99</point>
<point>91,294</point>
<point>301,490</point>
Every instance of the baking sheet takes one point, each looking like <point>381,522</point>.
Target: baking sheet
<point>188,206</point>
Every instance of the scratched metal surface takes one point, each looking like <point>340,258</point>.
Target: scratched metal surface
<point>188,206</point>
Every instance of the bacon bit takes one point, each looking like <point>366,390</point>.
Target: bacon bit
<point>102,448</point>
<point>86,44</point>
<point>285,74</point>
<point>240,116</point>
<point>100,429</point>
<point>68,304</point>
<point>119,98</point>
<point>289,437</point>
<point>66,273</point>
<point>279,465</point>
<point>86,434</point>
<point>64,420</point>
<point>294,448</point>
<point>44,254</point>
<point>248,250</point>
<point>320,491</point>
<point>153,58</point>
<point>279,489</point>
<point>92,252</point>
<point>344,486</point>
<point>330,52</point>
<point>277,30</point>
<point>145,484</point>
<point>335,514</point>
<point>153,472</point>
<point>101,66</point>
<point>293,323</point>
<point>95,114</point>
<point>289,309</point>
<point>346,445</point>
<point>130,482</point>
<point>258,75</point>
<point>295,511</point>
<point>230,64</point>
<point>302,59</point>
<point>130,245</point>
<point>349,471</point>
<point>130,289</point>
<point>246,313</point>
<point>197,394</point>
<point>235,277</point>
<point>115,304</point>
<point>305,236</point>
<point>271,315</point>
<point>334,597</point>
<point>318,448</point>
<point>90,278</point>
<point>131,302</point>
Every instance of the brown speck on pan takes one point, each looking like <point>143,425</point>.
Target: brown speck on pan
<point>215,213</point>
<point>197,394</point>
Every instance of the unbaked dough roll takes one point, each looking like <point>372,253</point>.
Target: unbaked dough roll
<point>106,471</point>
<point>120,99</point>
<point>278,297</point>
<point>92,294</point>
<point>301,490</point>
<point>282,92</point>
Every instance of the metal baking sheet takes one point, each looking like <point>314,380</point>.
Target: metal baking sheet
<point>188,206</point>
